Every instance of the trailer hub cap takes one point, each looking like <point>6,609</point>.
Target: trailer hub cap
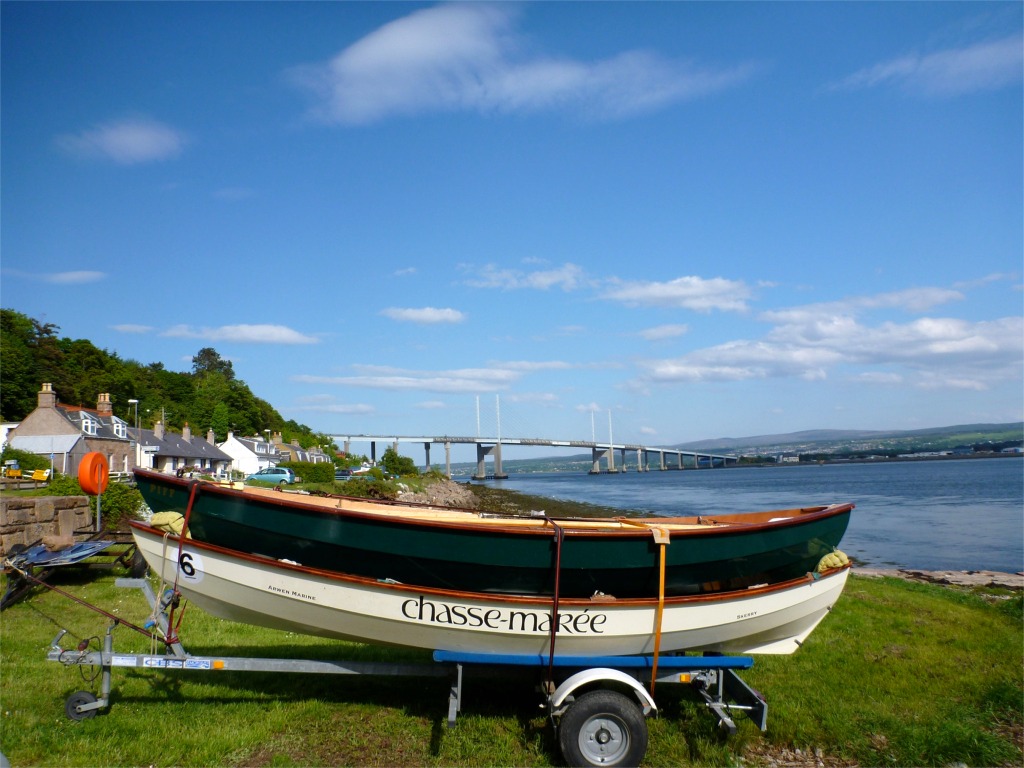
<point>603,740</point>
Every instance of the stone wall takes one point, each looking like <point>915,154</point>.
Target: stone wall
<point>26,519</point>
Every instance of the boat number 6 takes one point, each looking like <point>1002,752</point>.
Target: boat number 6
<point>191,566</point>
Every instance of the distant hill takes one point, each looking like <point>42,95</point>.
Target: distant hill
<point>824,443</point>
<point>732,444</point>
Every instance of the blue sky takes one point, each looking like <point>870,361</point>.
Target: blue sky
<point>702,219</point>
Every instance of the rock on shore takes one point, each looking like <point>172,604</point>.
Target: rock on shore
<point>443,493</point>
<point>952,578</point>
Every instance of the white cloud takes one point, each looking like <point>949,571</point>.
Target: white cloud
<point>535,398</point>
<point>531,365</point>
<point>73,278</point>
<point>468,57</point>
<point>248,334</point>
<point>688,292</point>
<point>132,328</point>
<point>568,277</point>
<point>662,332</point>
<point>465,380</point>
<point>126,142</point>
<point>77,277</point>
<point>424,315</point>
<point>348,409</point>
<point>811,341</point>
<point>982,66</point>
<point>432,405</point>
<point>880,377</point>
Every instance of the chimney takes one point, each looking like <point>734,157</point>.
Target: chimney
<point>210,437</point>
<point>277,439</point>
<point>47,397</point>
<point>158,430</point>
<point>186,433</point>
<point>103,405</point>
<point>231,434</point>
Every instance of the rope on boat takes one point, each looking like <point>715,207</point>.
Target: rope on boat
<point>661,538</point>
<point>171,626</point>
<point>559,538</point>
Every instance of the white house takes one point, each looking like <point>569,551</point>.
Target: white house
<point>250,454</point>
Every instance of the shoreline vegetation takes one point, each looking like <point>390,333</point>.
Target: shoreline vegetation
<point>901,673</point>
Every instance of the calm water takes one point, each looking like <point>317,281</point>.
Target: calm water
<point>934,515</point>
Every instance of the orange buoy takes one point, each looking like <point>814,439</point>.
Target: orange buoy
<point>93,473</point>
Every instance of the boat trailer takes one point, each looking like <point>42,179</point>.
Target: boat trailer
<point>27,567</point>
<point>598,708</point>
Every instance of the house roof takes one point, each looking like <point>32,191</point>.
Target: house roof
<point>40,444</point>
<point>260,447</point>
<point>176,446</point>
<point>106,426</point>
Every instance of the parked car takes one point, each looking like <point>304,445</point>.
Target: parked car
<point>275,475</point>
<point>341,475</point>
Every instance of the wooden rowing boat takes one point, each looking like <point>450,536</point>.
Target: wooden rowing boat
<point>465,550</point>
<point>257,590</point>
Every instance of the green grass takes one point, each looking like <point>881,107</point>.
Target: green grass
<point>899,674</point>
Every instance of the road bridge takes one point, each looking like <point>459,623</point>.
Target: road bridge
<point>664,458</point>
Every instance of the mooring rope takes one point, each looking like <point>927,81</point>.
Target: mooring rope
<point>559,538</point>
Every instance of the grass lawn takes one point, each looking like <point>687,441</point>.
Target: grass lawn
<point>899,674</point>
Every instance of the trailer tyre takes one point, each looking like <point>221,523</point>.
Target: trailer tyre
<point>77,699</point>
<point>603,728</point>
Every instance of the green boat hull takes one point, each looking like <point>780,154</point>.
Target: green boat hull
<point>503,561</point>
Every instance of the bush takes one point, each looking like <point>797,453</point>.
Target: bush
<point>119,502</point>
<point>27,461</point>
<point>367,487</point>
<point>321,472</point>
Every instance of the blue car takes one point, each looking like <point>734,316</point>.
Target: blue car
<point>274,475</point>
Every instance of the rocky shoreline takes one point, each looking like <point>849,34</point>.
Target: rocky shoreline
<point>990,579</point>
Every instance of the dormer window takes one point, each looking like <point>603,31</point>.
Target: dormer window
<point>89,425</point>
<point>120,428</point>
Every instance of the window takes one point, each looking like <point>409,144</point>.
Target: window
<point>120,428</point>
<point>89,425</point>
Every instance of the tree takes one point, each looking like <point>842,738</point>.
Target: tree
<point>29,355</point>
<point>210,397</point>
<point>208,361</point>
<point>396,464</point>
<point>220,421</point>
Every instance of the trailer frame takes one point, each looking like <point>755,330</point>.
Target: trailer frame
<point>598,705</point>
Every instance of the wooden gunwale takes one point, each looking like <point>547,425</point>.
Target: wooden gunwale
<point>609,601</point>
<point>409,514</point>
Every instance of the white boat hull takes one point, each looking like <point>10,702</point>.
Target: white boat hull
<point>263,592</point>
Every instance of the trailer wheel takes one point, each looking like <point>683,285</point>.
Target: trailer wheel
<point>77,699</point>
<point>603,728</point>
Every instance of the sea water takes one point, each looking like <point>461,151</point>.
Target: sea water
<point>932,515</point>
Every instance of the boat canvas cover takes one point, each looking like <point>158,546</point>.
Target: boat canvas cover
<point>39,555</point>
